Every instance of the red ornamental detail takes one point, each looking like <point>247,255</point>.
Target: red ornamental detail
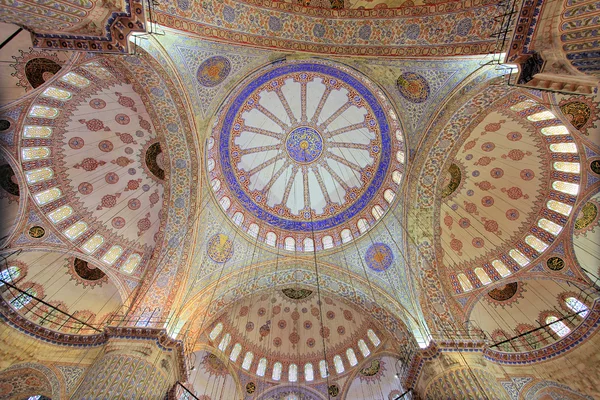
<point>485,185</point>
<point>89,164</point>
<point>118,222</point>
<point>295,315</point>
<point>122,119</point>
<point>448,221</point>
<point>490,225</point>
<point>456,245</point>
<point>487,201</point>
<point>265,329</point>
<point>310,342</point>
<point>464,223</point>
<point>244,311</point>
<point>76,143</point>
<point>314,311</point>
<point>471,208</point>
<point>85,188</point>
<point>144,224</point>
<point>276,341</point>
<point>469,145</point>
<point>516,154</point>
<point>488,146</point>
<point>108,201</point>
<point>134,204</point>
<point>126,138</point>
<point>276,310</point>
<point>145,124</point>
<point>97,104</point>
<point>512,214</point>
<point>341,330</point>
<point>527,174</point>
<point>111,178</point>
<point>497,173</point>
<point>126,101</point>
<point>122,161</point>
<point>483,161</point>
<point>515,193</point>
<point>105,146</point>
<point>478,242</point>
<point>294,337</point>
<point>94,125</point>
<point>282,324</point>
<point>494,126</point>
<point>348,315</point>
<point>249,326</point>
<point>324,332</point>
<point>514,136</point>
<point>133,184</point>
<point>330,315</point>
<point>154,198</point>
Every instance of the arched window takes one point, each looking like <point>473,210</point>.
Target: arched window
<point>38,175</point>
<point>10,274</point>
<point>92,244</point>
<point>253,230</point>
<point>47,196</point>
<point>351,357</point>
<point>566,187</point>
<point>570,167</point>
<point>577,306</point>
<point>225,342</point>
<point>373,337</point>
<point>308,244</point>
<point>541,116</point>
<point>225,203</point>
<point>56,93</point>
<point>271,239</point>
<point>131,264</point>
<point>339,365</point>
<point>555,130</point>
<point>400,156</point>
<point>276,371</point>
<point>388,195</point>
<point>346,235</point>
<point>238,218</point>
<point>364,349</point>
<point>536,243</point>
<point>60,213</point>
<point>397,176</point>
<point>22,299</point>
<point>559,207</point>
<point>524,105</point>
<point>377,211</point>
<point>215,184</point>
<point>308,372</point>
<point>549,226</point>
<point>262,367</point>
<point>519,257</point>
<point>563,148</point>
<point>501,268</point>
<point>323,369</point>
<point>75,79</point>
<point>112,255</point>
<point>76,230</point>
<point>362,225</point>
<point>289,243</point>
<point>327,242</point>
<point>557,326</point>
<point>247,360</point>
<point>211,164</point>
<point>32,131</point>
<point>43,112</point>
<point>237,348</point>
<point>293,373</point>
<point>465,283</point>
<point>483,276</point>
<point>34,153</point>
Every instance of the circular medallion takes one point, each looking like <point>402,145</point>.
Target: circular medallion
<point>250,387</point>
<point>305,147</point>
<point>37,232</point>
<point>304,144</point>
<point>379,257</point>
<point>220,248</point>
<point>413,87</point>
<point>595,166</point>
<point>333,390</point>
<point>213,71</point>
<point>4,125</point>
<point>555,263</point>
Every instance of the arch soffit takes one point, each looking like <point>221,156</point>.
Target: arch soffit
<point>23,205</point>
<point>202,346</point>
<point>362,364</point>
<point>56,383</point>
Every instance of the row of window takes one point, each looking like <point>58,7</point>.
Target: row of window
<point>46,173</point>
<point>261,367</point>
<point>551,227</point>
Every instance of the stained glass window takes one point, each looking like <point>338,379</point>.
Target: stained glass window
<point>93,243</point>
<point>253,230</point>
<point>465,283</point>
<point>34,153</point>
<point>377,211</point>
<point>276,371</point>
<point>75,80</point>
<point>237,348</point>
<point>519,257</point>
<point>38,111</point>
<point>323,369</point>
<point>555,130</point>
<point>309,374</point>
<point>364,349</point>
<point>557,326</point>
<point>571,167</point>
<point>10,274</point>
<point>549,226</point>
<point>247,360</point>
<point>57,93</point>
<point>373,337</point>
<point>293,373</point>
<point>327,242</point>
<point>351,357</point>
<point>111,255</point>
<point>577,306</point>
<point>238,218</point>
<point>524,105</point>
<point>225,342</point>
<point>290,243</point>
<point>271,239</point>
<point>47,196</point>
<point>131,263</point>
<point>536,243</point>
<point>339,365</point>
<point>541,116</point>
<point>483,276</point>
<point>346,235</point>
<point>215,184</point>
<point>98,70</point>
<point>22,299</point>
<point>31,131</point>
<point>563,148</point>
<point>559,207</point>
<point>400,156</point>
<point>75,230</point>
<point>225,202</point>
<point>38,175</point>
<point>388,195</point>
<point>501,268</point>
<point>262,367</point>
<point>566,187</point>
<point>216,331</point>
<point>211,164</point>
<point>397,176</point>
<point>308,244</point>
<point>362,225</point>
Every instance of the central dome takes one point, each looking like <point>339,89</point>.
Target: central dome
<point>303,150</point>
